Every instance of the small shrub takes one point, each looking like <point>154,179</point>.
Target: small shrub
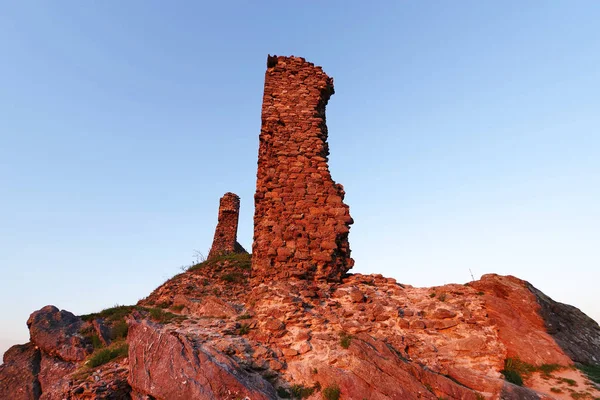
<point>162,316</point>
<point>345,340</point>
<point>315,371</point>
<point>234,277</point>
<point>568,381</point>
<point>111,314</point>
<point>301,392</point>
<point>547,369</point>
<point>119,330</point>
<point>432,295</point>
<point>103,356</point>
<point>442,297</point>
<point>163,304</point>
<point>332,392</point>
<point>96,342</point>
<point>512,376</point>
<point>244,329</point>
<point>555,390</point>
<point>283,393</point>
<point>244,316</point>
<point>178,307</point>
<point>592,371</point>
<point>480,293</point>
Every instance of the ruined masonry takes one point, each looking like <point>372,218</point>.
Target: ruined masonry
<point>225,241</point>
<point>301,224</point>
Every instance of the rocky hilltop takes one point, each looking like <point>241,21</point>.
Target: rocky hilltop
<point>290,321</point>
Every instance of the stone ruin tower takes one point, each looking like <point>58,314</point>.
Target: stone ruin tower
<point>301,224</point>
<point>225,241</point>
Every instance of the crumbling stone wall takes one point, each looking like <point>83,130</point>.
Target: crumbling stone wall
<point>301,224</point>
<point>225,240</point>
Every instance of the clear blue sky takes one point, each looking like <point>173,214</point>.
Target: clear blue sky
<point>466,134</point>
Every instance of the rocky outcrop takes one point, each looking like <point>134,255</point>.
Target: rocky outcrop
<point>225,240</point>
<point>301,223</point>
<point>19,373</point>
<point>575,333</point>
<point>290,322</point>
<point>514,310</point>
<point>167,364</point>
<point>56,333</point>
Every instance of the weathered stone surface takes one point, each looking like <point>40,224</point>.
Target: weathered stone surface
<point>577,334</point>
<point>19,373</point>
<point>225,240</point>
<point>57,333</point>
<point>52,370</point>
<point>515,311</point>
<point>301,224</point>
<point>169,365</point>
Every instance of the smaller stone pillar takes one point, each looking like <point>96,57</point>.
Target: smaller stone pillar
<point>225,241</point>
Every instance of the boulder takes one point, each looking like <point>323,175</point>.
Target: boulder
<point>56,332</point>
<point>19,373</point>
<point>167,364</point>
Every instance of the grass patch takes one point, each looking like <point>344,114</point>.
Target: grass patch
<point>591,371</point>
<point>301,392</point>
<point>103,356</point>
<point>119,330</point>
<point>234,277</point>
<point>244,329</point>
<point>161,316</point>
<point>547,369</point>
<point>568,381</point>
<point>345,340</point>
<point>178,307</point>
<point>332,392</point>
<point>241,261</point>
<point>515,369</point>
<point>111,314</point>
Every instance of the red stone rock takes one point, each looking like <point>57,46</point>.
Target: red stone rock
<point>168,365</point>
<point>225,240</point>
<point>292,165</point>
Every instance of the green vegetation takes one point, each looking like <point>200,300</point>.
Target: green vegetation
<point>164,317</point>
<point>103,356</point>
<point>442,297</point>
<point>332,392</point>
<point>238,260</point>
<point>345,340</point>
<point>555,390</point>
<point>512,376</point>
<point>235,277</point>
<point>178,307</point>
<point>96,342</point>
<point>111,314</point>
<point>547,369</point>
<point>592,371</point>
<point>480,293</point>
<point>515,369</point>
<point>119,330</point>
<point>300,392</point>
<point>568,381</point>
<point>432,295</point>
<point>244,329</point>
<point>244,316</point>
